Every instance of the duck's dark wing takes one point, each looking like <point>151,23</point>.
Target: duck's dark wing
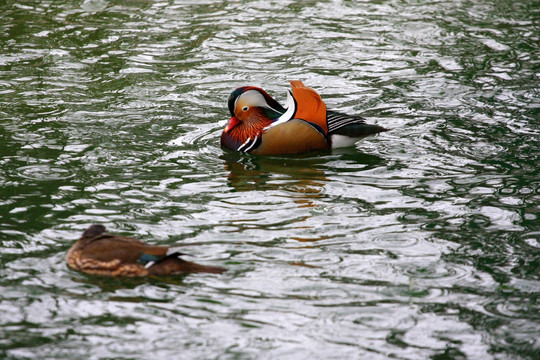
<point>352,126</point>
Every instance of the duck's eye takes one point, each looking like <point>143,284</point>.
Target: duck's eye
<point>245,108</point>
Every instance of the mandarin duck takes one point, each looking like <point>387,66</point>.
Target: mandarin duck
<point>260,125</point>
<point>100,253</point>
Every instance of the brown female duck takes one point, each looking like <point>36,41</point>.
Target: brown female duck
<point>100,253</point>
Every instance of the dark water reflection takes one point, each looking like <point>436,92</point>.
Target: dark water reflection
<point>422,242</point>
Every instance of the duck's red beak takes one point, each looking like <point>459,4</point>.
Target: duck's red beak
<point>232,123</point>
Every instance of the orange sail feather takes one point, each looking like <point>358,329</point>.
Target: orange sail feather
<point>310,106</point>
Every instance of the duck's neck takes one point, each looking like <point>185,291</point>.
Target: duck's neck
<point>250,128</point>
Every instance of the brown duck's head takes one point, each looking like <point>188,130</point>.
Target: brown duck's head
<point>93,231</point>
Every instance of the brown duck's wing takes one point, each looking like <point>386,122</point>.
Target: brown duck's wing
<point>292,137</point>
<point>309,105</point>
<point>174,265</point>
<point>125,249</point>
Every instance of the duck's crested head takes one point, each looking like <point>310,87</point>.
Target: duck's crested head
<point>252,109</point>
<point>246,97</point>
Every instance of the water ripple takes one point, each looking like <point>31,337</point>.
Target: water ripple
<point>43,172</point>
<point>421,242</point>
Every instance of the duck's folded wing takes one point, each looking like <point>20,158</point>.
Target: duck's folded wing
<point>352,126</point>
<point>127,250</point>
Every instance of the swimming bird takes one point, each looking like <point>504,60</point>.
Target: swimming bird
<point>260,125</point>
<point>100,253</point>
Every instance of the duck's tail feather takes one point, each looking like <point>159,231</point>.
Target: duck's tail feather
<point>352,126</point>
<point>173,264</point>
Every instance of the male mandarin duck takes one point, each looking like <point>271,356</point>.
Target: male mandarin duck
<point>100,253</point>
<point>260,125</point>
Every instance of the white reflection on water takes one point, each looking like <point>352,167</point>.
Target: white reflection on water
<point>417,243</point>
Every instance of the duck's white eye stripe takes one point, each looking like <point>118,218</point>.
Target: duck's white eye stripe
<point>253,98</point>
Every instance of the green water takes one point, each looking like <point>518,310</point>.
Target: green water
<point>420,243</point>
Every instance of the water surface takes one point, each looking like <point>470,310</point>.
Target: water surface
<point>422,242</point>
